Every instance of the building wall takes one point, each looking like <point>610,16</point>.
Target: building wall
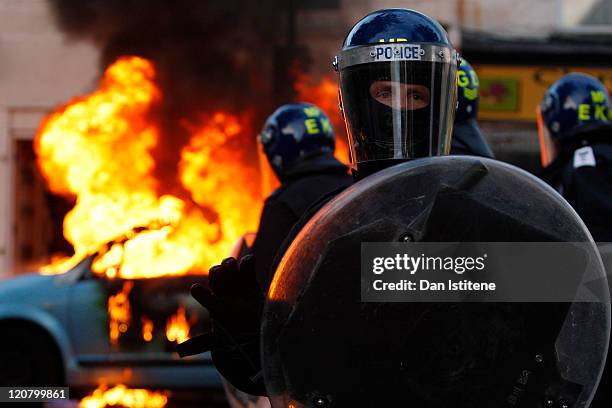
<point>524,17</point>
<point>39,69</point>
<point>325,30</point>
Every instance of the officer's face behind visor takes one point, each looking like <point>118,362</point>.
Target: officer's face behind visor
<point>403,96</point>
<point>398,109</point>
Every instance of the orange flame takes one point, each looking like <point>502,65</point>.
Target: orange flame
<point>212,169</point>
<point>147,329</point>
<point>177,326</point>
<point>121,396</point>
<point>119,312</point>
<point>324,94</point>
<point>99,149</point>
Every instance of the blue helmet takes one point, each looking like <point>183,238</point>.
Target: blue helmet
<point>295,131</point>
<point>574,104</point>
<point>397,76</point>
<point>468,93</point>
<point>396,25</point>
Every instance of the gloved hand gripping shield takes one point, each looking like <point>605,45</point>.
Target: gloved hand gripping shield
<point>398,99</point>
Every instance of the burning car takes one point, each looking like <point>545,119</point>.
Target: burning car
<point>112,312</point>
<point>153,208</point>
<point>83,330</point>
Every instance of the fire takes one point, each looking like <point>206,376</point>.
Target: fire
<point>119,312</point>
<point>212,169</point>
<point>324,94</point>
<point>121,396</point>
<point>147,329</point>
<point>99,149</point>
<point>177,327</point>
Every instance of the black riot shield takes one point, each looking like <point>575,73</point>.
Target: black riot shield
<point>323,347</point>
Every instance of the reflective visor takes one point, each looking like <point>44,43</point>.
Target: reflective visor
<point>399,100</point>
<point>548,149</point>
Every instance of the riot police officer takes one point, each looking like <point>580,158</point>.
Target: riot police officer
<point>298,142</point>
<point>576,151</point>
<point>574,132</point>
<point>398,94</point>
<point>467,138</point>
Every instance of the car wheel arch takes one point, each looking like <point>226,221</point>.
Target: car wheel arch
<point>25,323</point>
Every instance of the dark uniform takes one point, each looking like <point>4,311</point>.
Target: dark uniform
<point>298,142</point>
<point>468,140</point>
<point>584,178</point>
<point>304,185</point>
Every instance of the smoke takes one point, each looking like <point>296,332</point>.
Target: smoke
<point>209,55</point>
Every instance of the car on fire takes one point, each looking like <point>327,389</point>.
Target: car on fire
<point>82,330</point>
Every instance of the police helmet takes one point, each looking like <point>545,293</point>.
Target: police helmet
<point>295,131</point>
<point>574,105</point>
<point>397,77</point>
<point>468,89</point>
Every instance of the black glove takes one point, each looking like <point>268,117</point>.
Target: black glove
<point>234,304</point>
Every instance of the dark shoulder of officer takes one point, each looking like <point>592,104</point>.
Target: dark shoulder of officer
<point>298,142</point>
<point>576,148</point>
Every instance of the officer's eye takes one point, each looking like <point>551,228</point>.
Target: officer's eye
<point>415,97</point>
<point>418,97</point>
<point>383,94</point>
<point>399,95</point>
